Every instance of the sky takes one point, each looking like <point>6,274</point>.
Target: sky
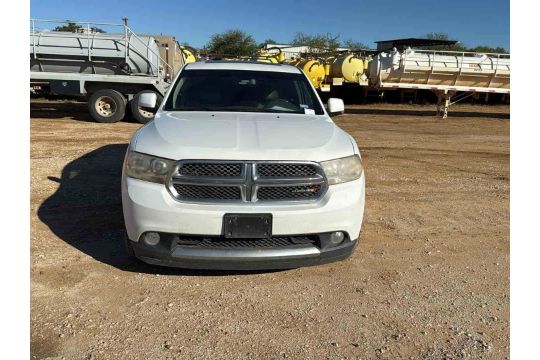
<point>473,22</point>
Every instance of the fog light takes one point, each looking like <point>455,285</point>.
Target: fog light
<point>336,238</point>
<point>151,238</point>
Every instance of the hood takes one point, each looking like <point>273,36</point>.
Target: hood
<point>242,136</point>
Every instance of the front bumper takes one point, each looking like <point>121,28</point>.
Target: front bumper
<point>149,207</point>
<point>243,258</point>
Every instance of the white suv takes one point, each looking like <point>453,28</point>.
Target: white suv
<point>242,168</point>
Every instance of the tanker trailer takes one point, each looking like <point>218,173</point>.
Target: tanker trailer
<point>271,55</point>
<point>314,70</point>
<point>349,68</point>
<point>444,72</point>
<point>263,55</point>
<point>111,70</point>
<point>293,61</point>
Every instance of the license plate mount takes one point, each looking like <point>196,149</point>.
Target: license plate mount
<point>247,226</point>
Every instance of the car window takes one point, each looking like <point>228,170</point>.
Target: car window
<point>239,90</point>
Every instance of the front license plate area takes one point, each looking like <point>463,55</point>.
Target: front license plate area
<point>247,226</point>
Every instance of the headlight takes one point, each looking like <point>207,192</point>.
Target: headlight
<point>342,170</point>
<point>147,167</point>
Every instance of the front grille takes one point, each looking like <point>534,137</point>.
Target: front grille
<point>211,169</point>
<point>286,170</point>
<point>288,192</point>
<point>196,192</point>
<point>223,243</point>
<point>247,181</point>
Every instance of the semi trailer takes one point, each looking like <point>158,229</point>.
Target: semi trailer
<point>110,70</point>
<point>446,73</point>
<point>395,65</point>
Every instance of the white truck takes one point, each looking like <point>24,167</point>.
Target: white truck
<point>242,168</point>
<point>110,70</point>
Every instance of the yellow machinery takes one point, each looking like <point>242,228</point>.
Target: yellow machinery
<point>349,68</point>
<point>313,68</point>
<point>270,57</point>
<point>325,86</point>
<point>188,54</point>
<point>256,58</point>
<point>293,61</point>
<point>262,56</point>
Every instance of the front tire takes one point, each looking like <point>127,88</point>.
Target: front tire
<point>107,106</point>
<point>144,115</point>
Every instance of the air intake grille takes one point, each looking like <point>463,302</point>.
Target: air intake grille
<point>286,170</point>
<point>221,243</point>
<point>247,181</point>
<point>288,192</point>
<point>196,192</point>
<point>211,170</point>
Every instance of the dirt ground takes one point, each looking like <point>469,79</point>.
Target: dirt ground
<point>429,280</point>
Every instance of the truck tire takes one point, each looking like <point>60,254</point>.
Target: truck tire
<point>107,106</point>
<point>144,115</point>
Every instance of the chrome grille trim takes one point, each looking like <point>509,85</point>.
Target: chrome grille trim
<point>249,180</point>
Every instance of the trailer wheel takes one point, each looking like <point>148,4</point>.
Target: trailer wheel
<point>144,115</point>
<point>107,106</point>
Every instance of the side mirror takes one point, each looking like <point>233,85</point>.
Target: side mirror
<point>148,100</point>
<point>335,106</point>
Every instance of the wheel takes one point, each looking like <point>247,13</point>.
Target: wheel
<point>144,115</point>
<point>107,106</point>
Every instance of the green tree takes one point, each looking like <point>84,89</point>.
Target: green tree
<point>488,49</point>
<point>460,47</point>
<point>73,27</point>
<point>231,42</point>
<point>70,27</point>
<point>354,45</point>
<point>442,36</point>
<point>268,41</point>
<point>320,41</point>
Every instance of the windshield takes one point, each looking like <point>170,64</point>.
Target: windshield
<point>239,90</point>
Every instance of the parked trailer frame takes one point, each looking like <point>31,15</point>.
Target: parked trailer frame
<point>83,79</point>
